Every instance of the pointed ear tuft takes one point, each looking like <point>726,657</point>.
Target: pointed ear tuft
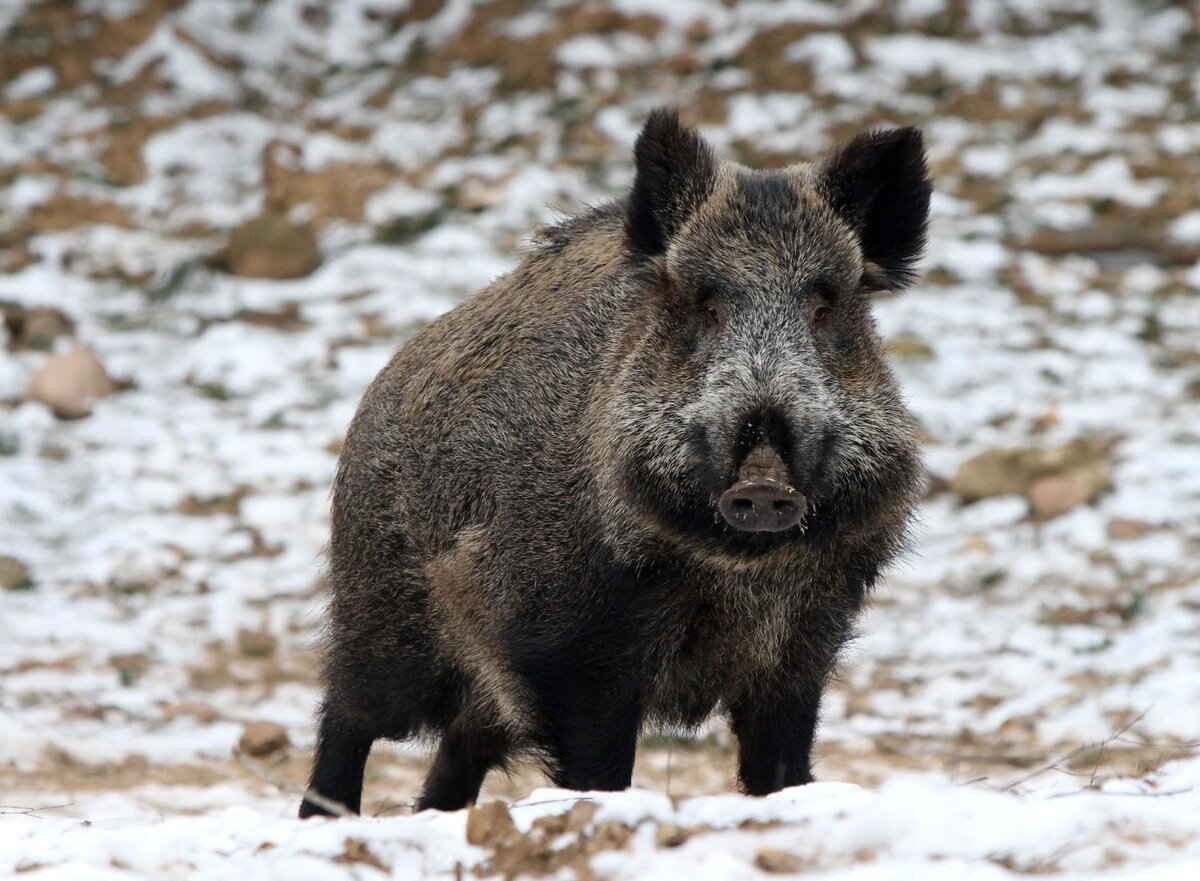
<point>879,183</point>
<point>676,170</point>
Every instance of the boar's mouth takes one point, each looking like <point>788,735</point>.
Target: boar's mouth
<point>692,508</point>
<point>762,498</point>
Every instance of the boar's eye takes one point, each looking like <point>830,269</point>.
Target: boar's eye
<point>710,308</point>
<point>821,308</point>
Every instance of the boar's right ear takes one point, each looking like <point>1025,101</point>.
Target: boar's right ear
<point>879,184</point>
<point>676,170</point>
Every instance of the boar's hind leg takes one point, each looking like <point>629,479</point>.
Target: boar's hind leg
<point>466,753</point>
<point>775,735</point>
<point>338,771</point>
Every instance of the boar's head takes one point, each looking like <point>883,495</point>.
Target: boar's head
<point>753,406</point>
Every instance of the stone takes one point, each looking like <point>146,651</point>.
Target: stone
<point>1057,494</point>
<point>14,575</point>
<point>262,739</point>
<point>201,712</point>
<point>70,383</point>
<point>1122,528</point>
<point>779,862</point>
<point>1013,470</point>
<point>670,835</point>
<point>1051,496</point>
<point>995,472</point>
<point>271,246</point>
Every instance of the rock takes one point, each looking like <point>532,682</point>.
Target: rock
<point>670,835</point>
<point>287,318</point>
<point>35,328</point>
<point>1067,615</point>
<point>70,383</point>
<point>261,739</point>
<point>202,713</point>
<point>779,862</point>
<point>256,643</point>
<point>271,246</point>
<point>992,473</point>
<point>14,575</point>
<point>1121,528</point>
<point>1013,470</point>
<point>1054,495</point>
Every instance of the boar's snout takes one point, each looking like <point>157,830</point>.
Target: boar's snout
<point>761,499</point>
<point>761,506</point>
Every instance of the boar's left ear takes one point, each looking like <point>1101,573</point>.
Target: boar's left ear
<point>676,170</point>
<point>879,183</point>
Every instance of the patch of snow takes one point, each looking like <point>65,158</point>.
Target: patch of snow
<point>32,83</point>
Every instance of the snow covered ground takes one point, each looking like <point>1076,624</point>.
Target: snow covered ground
<point>1025,696</point>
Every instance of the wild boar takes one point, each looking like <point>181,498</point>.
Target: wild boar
<point>649,475</point>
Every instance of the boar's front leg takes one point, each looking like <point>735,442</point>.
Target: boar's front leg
<point>775,730</point>
<point>589,714</point>
<point>593,732</point>
<point>342,751</point>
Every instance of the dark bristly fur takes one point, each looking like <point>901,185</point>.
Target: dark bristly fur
<point>527,556</point>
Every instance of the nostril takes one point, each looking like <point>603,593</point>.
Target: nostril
<point>761,506</point>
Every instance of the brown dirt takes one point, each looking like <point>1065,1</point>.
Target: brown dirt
<point>57,34</point>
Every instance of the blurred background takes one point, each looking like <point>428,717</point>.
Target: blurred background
<point>218,218</point>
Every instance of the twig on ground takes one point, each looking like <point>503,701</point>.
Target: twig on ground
<point>1122,794</point>
<point>17,810</point>
<point>973,781</point>
<point>388,808</point>
<point>1055,764</point>
<point>259,770</point>
<point>1160,744</point>
<point>549,801</point>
